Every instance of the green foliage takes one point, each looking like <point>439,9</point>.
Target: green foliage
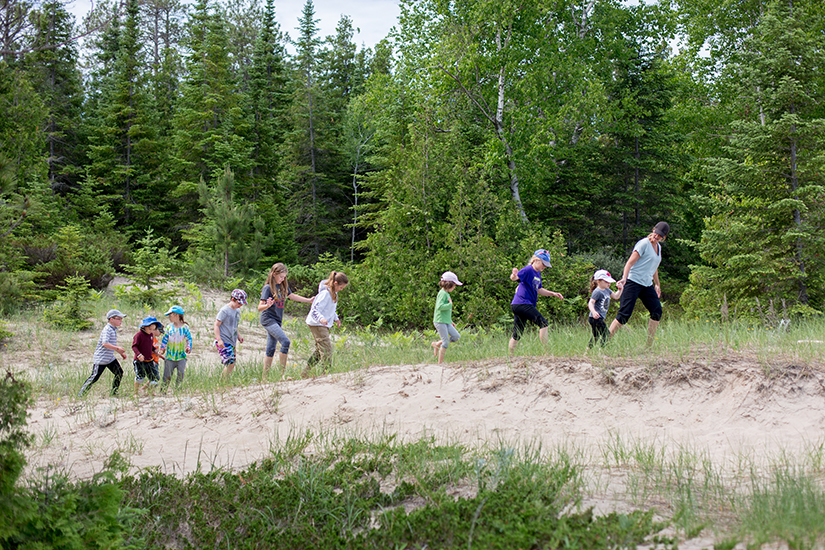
<point>15,288</point>
<point>50,511</point>
<point>151,261</point>
<point>72,251</point>
<point>763,236</point>
<point>14,399</point>
<point>357,494</point>
<point>72,309</point>
<point>231,232</point>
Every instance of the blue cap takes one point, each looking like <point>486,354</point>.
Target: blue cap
<point>147,321</point>
<point>544,256</point>
<point>175,309</point>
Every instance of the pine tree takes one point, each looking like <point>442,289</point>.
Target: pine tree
<point>123,145</point>
<point>209,122</point>
<point>230,232</point>
<point>53,68</point>
<point>766,238</point>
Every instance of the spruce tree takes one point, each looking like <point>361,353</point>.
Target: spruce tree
<point>766,237</point>
<point>52,66</point>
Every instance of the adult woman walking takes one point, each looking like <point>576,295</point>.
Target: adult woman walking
<point>640,279</point>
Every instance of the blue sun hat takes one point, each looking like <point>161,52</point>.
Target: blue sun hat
<point>175,309</point>
<point>544,256</point>
<point>148,321</point>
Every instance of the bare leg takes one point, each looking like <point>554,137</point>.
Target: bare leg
<point>651,331</point>
<point>435,346</point>
<point>512,345</point>
<point>614,326</point>
<point>282,360</point>
<point>543,335</point>
<point>227,370</point>
<point>267,364</point>
<point>441,352</point>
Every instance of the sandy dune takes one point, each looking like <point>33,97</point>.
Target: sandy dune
<point>725,409</point>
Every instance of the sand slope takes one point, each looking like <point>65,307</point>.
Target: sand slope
<point>726,407</point>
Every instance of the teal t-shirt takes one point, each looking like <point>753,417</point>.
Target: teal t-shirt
<point>443,308</point>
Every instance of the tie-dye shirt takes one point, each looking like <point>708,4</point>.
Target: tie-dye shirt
<point>176,341</point>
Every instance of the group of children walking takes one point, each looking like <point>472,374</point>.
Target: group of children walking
<point>173,343</point>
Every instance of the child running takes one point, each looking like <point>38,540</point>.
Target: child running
<point>143,346</point>
<point>176,345</point>
<point>524,302</point>
<point>600,295</point>
<point>273,297</point>
<point>226,330</point>
<point>443,315</point>
<point>104,357</point>
<point>322,315</point>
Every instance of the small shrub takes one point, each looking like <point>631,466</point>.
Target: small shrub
<point>71,310</point>
<point>151,262</point>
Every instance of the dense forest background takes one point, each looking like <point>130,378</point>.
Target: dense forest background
<point>200,141</point>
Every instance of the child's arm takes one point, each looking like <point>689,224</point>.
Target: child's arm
<point>591,305</point>
<point>297,298</point>
<point>514,274</point>
<point>217,329</point>
<point>113,347</point>
<point>317,305</point>
<point>135,349</point>
<point>188,335</point>
<point>550,293</point>
<point>265,304</point>
<point>616,295</point>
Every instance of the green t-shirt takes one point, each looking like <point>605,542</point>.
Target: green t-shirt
<point>443,308</point>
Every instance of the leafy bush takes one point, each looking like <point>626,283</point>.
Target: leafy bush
<point>50,511</point>
<point>15,288</point>
<point>74,250</point>
<point>71,310</point>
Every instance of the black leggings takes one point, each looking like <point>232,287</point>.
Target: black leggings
<point>599,331</point>
<point>97,370</point>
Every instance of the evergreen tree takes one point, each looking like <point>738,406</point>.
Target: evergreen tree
<point>123,146</point>
<point>230,232</point>
<point>209,124</point>
<point>766,237</point>
<point>52,66</point>
<point>268,98</point>
<point>317,199</point>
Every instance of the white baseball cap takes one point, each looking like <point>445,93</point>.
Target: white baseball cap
<point>451,277</point>
<point>603,275</point>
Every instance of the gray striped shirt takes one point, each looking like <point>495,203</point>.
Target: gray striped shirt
<point>104,356</point>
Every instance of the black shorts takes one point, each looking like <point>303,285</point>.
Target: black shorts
<point>145,370</point>
<point>522,313</point>
<point>633,290</point>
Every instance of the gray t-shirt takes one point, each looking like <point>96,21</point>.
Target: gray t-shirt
<point>602,298</point>
<point>229,318</point>
<point>275,313</point>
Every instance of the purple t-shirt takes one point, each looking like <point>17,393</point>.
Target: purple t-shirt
<point>529,283</point>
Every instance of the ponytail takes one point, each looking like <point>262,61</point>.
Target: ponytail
<point>335,277</point>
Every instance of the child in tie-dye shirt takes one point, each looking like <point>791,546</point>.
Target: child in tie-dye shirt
<point>176,343</point>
